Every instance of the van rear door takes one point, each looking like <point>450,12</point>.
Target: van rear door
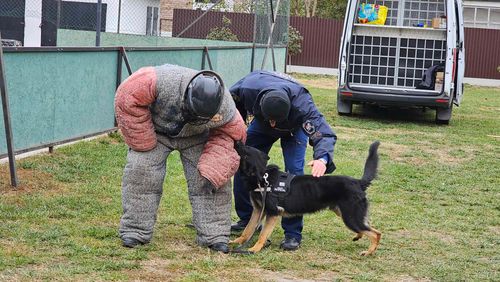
<point>460,70</point>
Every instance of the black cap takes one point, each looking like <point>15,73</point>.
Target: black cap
<point>204,95</point>
<point>275,105</point>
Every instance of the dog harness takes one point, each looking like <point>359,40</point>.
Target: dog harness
<point>278,190</point>
<point>280,187</point>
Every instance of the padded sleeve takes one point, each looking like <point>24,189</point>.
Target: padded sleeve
<point>132,101</point>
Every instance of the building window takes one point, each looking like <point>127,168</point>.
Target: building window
<point>152,21</point>
<point>482,17</point>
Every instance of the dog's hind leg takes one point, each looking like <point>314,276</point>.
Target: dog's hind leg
<point>374,235</point>
<point>265,233</point>
<point>250,228</point>
<point>336,210</point>
<point>358,236</point>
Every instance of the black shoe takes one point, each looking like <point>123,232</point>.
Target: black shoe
<point>290,244</point>
<point>238,226</point>
<point>131,242</point>
<point>220,247</point>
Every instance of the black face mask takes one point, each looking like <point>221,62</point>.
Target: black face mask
<point>191,119</point>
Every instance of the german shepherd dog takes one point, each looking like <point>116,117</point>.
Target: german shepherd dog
<point>306,194</point>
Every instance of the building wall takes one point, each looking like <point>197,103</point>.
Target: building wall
<point>33,19</point>
<point>167,13</point>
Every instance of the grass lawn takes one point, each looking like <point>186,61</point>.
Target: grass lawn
<point>436,201</point>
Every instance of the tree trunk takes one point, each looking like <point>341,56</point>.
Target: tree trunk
<point>315,5</point>
<point>307,3</point>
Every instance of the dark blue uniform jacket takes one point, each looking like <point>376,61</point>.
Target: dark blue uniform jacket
<point>303,114</point>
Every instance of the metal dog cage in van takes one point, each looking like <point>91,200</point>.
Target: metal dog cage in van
<point>385,64</point>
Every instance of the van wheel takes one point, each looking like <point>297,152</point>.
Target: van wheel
<point>443,116</point>
<point>344,108</point>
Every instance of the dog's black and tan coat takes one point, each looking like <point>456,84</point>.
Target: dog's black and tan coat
<point>343,194</point>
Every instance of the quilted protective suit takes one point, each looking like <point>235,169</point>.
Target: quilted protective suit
<point>149,113</point>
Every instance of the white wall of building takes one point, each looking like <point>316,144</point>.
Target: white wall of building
<point>134,15</point>
<point>32,20</point>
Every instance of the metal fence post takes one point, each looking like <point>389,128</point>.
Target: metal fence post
<point>272,23</point>
<point>125,58</point>
<point>6,120</point>
<point>98,24</point>
<point>119,16</point>
<point>58,17</point>
<point>207,57</point>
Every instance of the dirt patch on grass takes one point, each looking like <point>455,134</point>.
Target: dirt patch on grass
<point>29,181</point>
<point>323,82</point>
<point>288,276</point>
<point>426,153</point>
<point>156,269</point>
<point>406,278</point>
<point>394,151</point>
<point>495,230</point>
<point>350,133</point>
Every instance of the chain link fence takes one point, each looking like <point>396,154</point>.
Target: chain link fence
<point>266,12</point>
<point>37,22</point>
<point>249,21</point>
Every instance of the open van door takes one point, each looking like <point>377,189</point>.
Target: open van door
<point>459,87</point>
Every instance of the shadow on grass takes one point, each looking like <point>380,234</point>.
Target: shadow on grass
<point>394,114</point>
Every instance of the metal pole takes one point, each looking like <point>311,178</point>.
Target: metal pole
<point>119,67</point>
<point>119,15</point>
<point>6,120</point>
<point>125,58</point>
<point>98,24</point>
<point>203,58</point>
<point>58,18</point>
<point>254,7</point>
<point>208,59</point>
<point>195,21</point>
<point>271,29</point>
<point>253,58</point>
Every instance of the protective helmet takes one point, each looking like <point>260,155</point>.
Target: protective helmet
<point>275,105</point>
<point>203,96</point>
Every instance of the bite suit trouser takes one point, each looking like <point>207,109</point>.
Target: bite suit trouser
<point>294,148</point>
<point>142,189</point>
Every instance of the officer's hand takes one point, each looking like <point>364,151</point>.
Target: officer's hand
<point>318,168</point>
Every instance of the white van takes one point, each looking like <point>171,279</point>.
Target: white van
<point>416,58</point>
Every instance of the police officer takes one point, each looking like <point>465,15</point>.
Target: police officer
<point>283,109</point>
<point>166,108</point>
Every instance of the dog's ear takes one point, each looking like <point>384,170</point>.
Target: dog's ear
<point>273,167</point>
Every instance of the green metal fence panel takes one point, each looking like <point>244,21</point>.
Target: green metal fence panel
<point>236,63</point>
<point>231,64</point>
<point>186,58</point>
<point>56,96</point>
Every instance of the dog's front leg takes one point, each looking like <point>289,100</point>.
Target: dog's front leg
<point>250,228</point>
<point>265,233</point>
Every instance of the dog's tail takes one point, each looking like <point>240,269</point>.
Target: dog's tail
<point>370,166</point>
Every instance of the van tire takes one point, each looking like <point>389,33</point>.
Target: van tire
<point>344,108</point>
<point>443,115</point>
